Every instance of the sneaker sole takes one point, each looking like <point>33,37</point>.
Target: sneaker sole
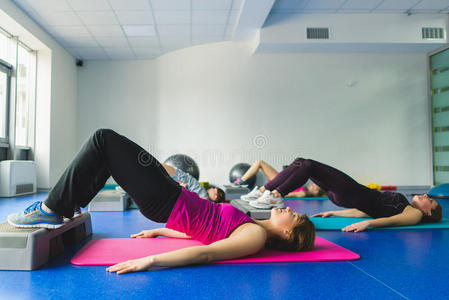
<point>267,206</point>
<point>37,225</point>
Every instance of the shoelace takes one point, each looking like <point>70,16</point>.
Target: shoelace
<point>34,206</point>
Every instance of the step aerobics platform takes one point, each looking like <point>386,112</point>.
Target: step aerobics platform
<point>30,248</point>
<point>260,214</point>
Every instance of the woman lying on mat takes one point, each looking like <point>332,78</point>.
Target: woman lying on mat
<point>226,232</point>
<point>186,180</point>
<point>387,208</point>
<point>311,190</point>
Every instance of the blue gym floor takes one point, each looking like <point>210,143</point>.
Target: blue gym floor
<point>394,264</point>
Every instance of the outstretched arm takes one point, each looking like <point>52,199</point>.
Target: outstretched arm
<point>249,240</point>
<point>351,213</point>
<point>160,231</point>
<point>410,216</point>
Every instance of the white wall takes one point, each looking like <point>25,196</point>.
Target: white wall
<point>56,141</point>
<point>222,105</point>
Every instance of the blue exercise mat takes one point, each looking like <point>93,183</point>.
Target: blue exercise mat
<point>338,223</point>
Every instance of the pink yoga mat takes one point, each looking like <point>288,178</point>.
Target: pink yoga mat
<point>112,251</point>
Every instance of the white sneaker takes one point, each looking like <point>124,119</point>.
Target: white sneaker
<point>253,195</point>
<point>267,201</point>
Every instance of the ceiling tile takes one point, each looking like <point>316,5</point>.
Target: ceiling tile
<point>89,5</point>
<point>105,30</point>
<point>135,17</point>
<point>211,4</point>
<point>120,53</point>
<point>324,4</point>
<point>81,41</point>
<point>172,17</point>
<point>208,30</point>
<point>432,4</point>
<point>62,18</point>
<point>360,4</point>
<point>401,5</point>
<point>98,17</point>
<point>130,4</point>
<point>68,31</point>
<point>112,41</point>
<point>170,4</point>
<point>210,16</point>
<point>182,30</point>
<point>49,5</point>
<point>144,42</point>
<point>139,30</point>
<point>91,53</point>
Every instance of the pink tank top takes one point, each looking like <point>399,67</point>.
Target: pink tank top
<point>204,220</point>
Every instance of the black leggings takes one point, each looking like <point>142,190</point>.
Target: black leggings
<point>341,189</point>
<point>107,154</point>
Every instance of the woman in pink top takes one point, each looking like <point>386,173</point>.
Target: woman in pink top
<point>226,232</point>
<point>311,190</point>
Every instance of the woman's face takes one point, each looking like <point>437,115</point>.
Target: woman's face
<point>313,189</point>
<point>285,219</point>
<point>424,203</point>
<point>213,194</point>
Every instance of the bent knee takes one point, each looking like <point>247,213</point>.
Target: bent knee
<point>103,132</point>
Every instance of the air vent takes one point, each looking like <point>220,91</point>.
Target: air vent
<point>318,33</point>
<point>24,188</point>
<point>432,33</point>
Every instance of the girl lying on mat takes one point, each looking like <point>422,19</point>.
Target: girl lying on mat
<point>227,232</point>
<point>387,208</point>
<point>186,180</point>
<point>311,190</point>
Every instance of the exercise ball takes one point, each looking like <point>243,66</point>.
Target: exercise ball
<point>185,163</point>
<point>440,191</point>
<point>238,170</point>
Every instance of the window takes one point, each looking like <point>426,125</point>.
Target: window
<point>24,95</point>
<point>439,85</point>
<point>5,83</point>
<point>17,93</point>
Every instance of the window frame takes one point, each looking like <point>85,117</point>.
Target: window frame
<point>6,68</point>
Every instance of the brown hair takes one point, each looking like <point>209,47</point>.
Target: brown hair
<point>436,214</point>
<point>221,196</point>
<point>302,238</point>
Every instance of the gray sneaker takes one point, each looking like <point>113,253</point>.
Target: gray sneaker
<point>34,216</point>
